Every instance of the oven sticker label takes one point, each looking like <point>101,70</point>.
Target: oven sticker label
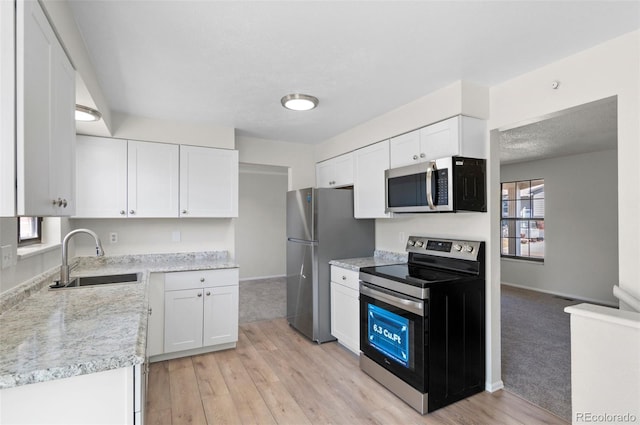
<point>389,334</point>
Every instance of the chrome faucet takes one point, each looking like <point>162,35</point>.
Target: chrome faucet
<point>64,268</point>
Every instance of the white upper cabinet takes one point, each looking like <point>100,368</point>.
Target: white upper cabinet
<point>335,172</point>
<point>208,182</point>
<point>405,149</point>
<point>45,126</point>
<point>120,178</point>
<point>101,166</point>
<point>457,136</point>
<point>152,179</point>
<point>369,185</point>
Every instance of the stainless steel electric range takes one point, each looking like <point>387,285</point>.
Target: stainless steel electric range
<point>422,323</point>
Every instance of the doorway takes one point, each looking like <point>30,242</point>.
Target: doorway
<point>574,152</point>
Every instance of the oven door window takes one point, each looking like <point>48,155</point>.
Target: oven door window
<point>395,339</point>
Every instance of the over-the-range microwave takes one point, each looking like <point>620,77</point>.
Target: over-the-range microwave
<point>442,185</point>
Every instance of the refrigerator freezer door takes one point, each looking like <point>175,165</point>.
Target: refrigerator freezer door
<point>300,219</point>
<point>300,286</point>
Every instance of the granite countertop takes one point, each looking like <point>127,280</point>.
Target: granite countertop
<point>49,335</point>
<point>380,258</point>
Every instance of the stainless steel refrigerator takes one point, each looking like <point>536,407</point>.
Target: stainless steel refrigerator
<point>320,228</point>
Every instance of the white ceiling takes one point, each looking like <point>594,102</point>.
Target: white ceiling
<point>228,63</point>
<point>590,127</point>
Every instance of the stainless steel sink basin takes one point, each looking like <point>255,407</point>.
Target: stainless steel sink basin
<point>101,280</point>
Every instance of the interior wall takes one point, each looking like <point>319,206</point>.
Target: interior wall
<point>581,227</point>
<point>261,224</point>
<point>156,235</point>
<point>609,69</point>
<point>29,266</point>
<point>298,157</point>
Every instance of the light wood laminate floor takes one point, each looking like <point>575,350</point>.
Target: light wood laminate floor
<point>276,376</point>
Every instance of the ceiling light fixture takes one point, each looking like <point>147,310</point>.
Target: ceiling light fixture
<point>84,113</point>
<point>299,102</point>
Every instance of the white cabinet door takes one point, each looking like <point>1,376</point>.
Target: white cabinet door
<point>335,172</point>
<point>155,326</point>
<point>208,182</point>
<point>324,173</point>
<point>457,136</point>
<point>45,129</point>
<point>369,185</point>
<point>220,315</point>
<point>153,179</point>
<point>441,139</point>
<point>183,320</point>
<point>7,109</point>
<point>405,149</point>
<point>345,308</point>
<point>101,183</point>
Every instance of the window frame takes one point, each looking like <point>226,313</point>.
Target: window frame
<point>30,241</point>
<point>514,222</point>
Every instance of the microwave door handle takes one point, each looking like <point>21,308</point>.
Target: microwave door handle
<point>432,167</point>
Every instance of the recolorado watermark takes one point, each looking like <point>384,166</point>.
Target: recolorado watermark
<point>606,418</point>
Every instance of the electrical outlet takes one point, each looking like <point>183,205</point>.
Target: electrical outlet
<point>7,256</point>
<point>113,237</point>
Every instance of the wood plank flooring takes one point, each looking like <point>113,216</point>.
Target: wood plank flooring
<point>276,376</point>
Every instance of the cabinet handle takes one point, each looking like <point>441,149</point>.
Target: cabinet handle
<point>208,293</point>
<point>64,203</point>
<point>415,157</point>
<point>199,294</point>
<point>132,212</point>
<point>122,212</point>
<point>57,202</point>
<point>344,278</point>
<point>184,212</point>
<point>150,311</point>
<point>422,155</point>
<point>202,279</point>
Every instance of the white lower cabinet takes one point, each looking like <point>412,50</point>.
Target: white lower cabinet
<point>155,325</point>
<point>345,308</point>
<point>114,396</point>
<point>200,309</point>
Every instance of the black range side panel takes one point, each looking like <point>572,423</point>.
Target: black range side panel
<point>456,342</point>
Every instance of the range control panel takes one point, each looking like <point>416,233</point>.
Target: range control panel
<point>451,248</point>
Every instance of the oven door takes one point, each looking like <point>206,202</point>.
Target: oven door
<point>392,333</point>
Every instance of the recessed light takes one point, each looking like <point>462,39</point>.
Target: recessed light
<point>299,102</point>
<point>84,113</point>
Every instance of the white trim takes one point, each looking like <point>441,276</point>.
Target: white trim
<point>263,277</point>
<point>605,314</point>
<point>492,387</point>
<point>33,250</point>
<point>561,294</point>
<point>192,352</point>
<point>627,298</point>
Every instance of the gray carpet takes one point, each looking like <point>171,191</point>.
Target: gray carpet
<point>536,348</point>
<point>263,299</point>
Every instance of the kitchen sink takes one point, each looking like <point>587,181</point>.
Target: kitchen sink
<point>100,280</point>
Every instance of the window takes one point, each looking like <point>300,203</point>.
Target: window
<point>29,230</point>
<point>522,222</point>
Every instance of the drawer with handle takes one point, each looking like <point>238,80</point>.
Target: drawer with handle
<point>175,281</point>
<point>348,278</point>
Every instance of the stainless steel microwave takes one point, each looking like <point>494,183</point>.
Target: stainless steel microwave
<point>442,185</point>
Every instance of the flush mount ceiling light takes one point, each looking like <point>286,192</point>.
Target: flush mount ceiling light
<point>299,102</point>
<point>84,113</point>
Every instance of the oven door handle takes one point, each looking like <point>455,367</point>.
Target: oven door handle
<point>416,307</point>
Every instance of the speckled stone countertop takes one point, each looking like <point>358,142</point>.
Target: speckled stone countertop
<point>380,258</point>
<point>49,335</point>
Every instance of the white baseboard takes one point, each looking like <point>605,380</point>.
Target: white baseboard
<point>492,387</point>
<point>263,277</point>
<point>561,294</point>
